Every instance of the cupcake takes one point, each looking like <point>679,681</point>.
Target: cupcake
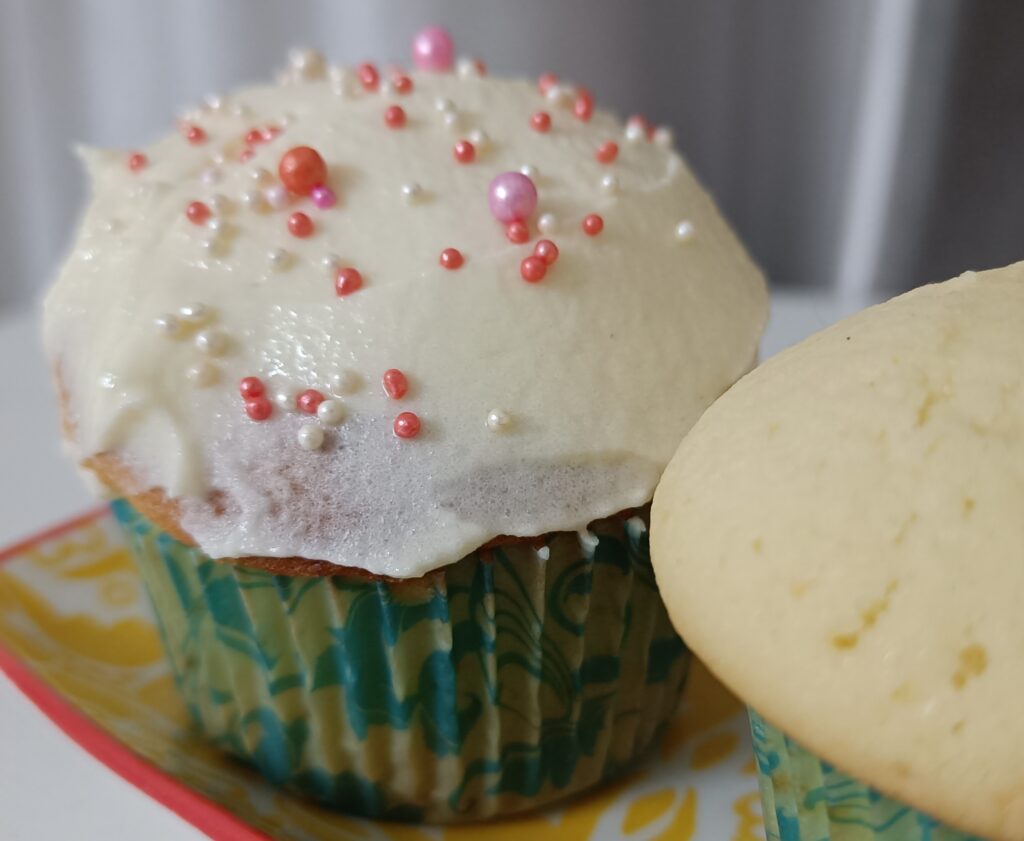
<point>840,539</point>
<point>380,369</point>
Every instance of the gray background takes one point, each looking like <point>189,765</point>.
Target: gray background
<point>862,146</point>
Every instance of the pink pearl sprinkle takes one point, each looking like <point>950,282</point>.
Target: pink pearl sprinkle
<point>432,49</point>
<point>323,196</point>
<point>512,196</point>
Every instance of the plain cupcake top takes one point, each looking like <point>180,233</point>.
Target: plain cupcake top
<point>841,538</point>
<point>378,317</point>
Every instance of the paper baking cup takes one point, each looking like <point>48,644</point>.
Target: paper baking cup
<point>512,678</point>
<point>806,799</point>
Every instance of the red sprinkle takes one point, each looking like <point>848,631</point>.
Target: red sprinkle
<point>308,401</point>
<point>301,169</point>
<point>517,232</point>
<point>480,66</point>
<point>465,152</point>
<point>246,154</point>
<point>407,425</point>
<point>583,107</point>
<point>137,161</point>
<point>259,408</point>
<point>254,136</point>
<point>251,387</point>
<point>533,269</point>
<point>300,225</point>
<point>347,281</point>
<point>195,134</point>
<point>451,258</point>
<point>197,212</point>
<point>592,224</point>
<point>395,383</point>
<point>394,116</point>
<point>541,121</point>
<point>546,250</point>
<point>546,81</point>
<point>368,75</point>
<point>607,152</point>
<point>401,83</point>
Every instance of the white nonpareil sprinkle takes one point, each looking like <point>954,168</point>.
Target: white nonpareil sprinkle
<point>684,230</point>
<point>635,132</point>
<point>331,412</point>
<point>212,342</point>
<point>310,436</point>
<point>279,258</point>
<point>529,170</point>
<point>195,314</point>
<point>169,325</point>
<point>411,191</point>
<point>203,374</point>
<point>344,382</point>
<point>547,223</point>
<point>497,420</point>
<point>480,139</point>
<point>609,183</point>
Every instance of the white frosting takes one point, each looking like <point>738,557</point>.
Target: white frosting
<point>596,372</point>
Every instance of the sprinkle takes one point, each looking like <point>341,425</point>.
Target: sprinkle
<point>195,314</point>
<point>246,155</point>
<point>547,223</point>
<point>467,68</point>
<point>251,387</point>
<point>546,250</point>
<point>169,325</point>
<point>411,192</point>
<point>480,139</point>
<point>607,152</point>
<point>368,76</point>
<point>285,397</point>
<point>254,200</point>
<point>395,383</point>
<point>451,258</point>
<point>433,50</point>
<point>212,342</point>
<point>218,225</point>
<point>401,83</point>
<point>394,116</point>
<point>663,136</point>
<point>278,258</point>
<point>546,81</point>
<point>511,196</point>
<point>517,232</point>
<point>323,197</point>
<point>497,420</point>
<point>259,408</point>
<point>407,425</point>
<point>310,436</point>
<point>137,161</point>
<point>221,204</point>
<point>202,374</point>
<point>301,169</point>
<point>684,230</point>
<point>636,128</point>
<point>593,224</point>
<point>253,136</point>
<point>533,269</point>
<point>451,120</point>
<point>609,183</point>
<point>464,152</point>
<point>197,212</point>
<point>331,262</point>
<point>307,64</point>
<point>583,107</point>
<point>442,105</point>
<point>347,281</point>
<point>541,121</point>
<point>277,197</point>
<point>344,382</point>
<point>529,170</point>
<point>308,401</point>
<point>194,134</point>
<point>331,412</point>
<point>260,174</point>
<point>300,225</point>
<point>211,176</point>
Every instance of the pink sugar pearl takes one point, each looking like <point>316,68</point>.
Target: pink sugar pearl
<point>512,197</point>
<point>323,197</point>
<point>432,49</point>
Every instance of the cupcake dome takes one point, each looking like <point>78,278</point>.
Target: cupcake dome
<point>840,538</point>
<point>318,320</point>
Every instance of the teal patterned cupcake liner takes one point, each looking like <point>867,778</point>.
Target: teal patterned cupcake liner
<point>512,678</point>
<point>807,799</point>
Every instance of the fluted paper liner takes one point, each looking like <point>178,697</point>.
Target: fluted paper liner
<point>512,678</point>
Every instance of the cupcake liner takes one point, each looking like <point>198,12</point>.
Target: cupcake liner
<point>514,677</point>
<point>807,799</point>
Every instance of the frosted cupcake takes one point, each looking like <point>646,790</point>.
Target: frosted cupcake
<point>381,369</point>
<point>840,538</point>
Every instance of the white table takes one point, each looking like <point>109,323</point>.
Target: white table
<point>50,789</point>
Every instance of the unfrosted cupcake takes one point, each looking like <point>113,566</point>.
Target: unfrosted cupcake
<point>840,538</point>
<point>381,369</point>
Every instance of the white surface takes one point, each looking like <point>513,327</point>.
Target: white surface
<point>38,487</point>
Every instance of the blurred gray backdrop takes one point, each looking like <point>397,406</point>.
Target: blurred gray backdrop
<point>860,146</point>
